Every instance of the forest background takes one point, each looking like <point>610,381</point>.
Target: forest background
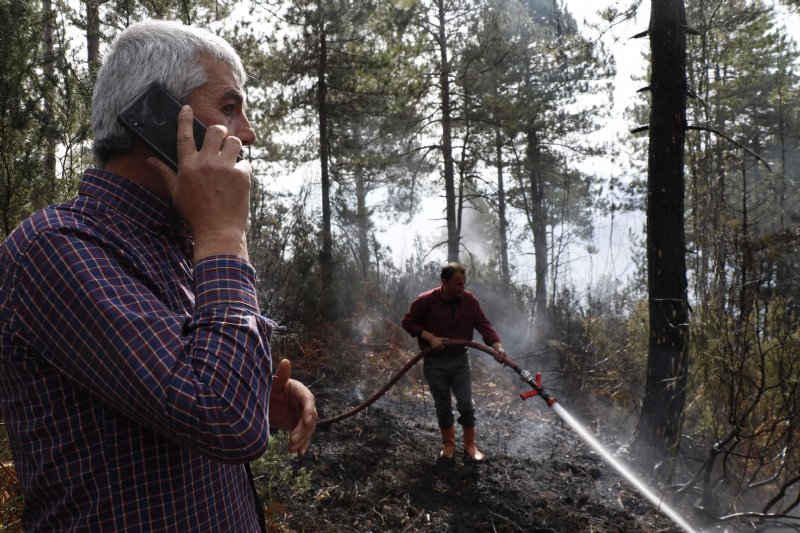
<point>496,109</point>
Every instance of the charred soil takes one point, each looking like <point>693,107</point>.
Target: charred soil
<point>379,469</point>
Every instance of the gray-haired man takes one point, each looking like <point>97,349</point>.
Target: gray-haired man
<point>135,373</point>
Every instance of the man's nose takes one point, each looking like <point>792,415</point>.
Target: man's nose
<point>245,131</point>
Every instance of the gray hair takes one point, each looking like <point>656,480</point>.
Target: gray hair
<point>164,52</point>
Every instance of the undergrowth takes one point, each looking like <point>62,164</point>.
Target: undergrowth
<point>278,477</point>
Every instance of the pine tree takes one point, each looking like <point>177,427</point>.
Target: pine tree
<point>528,66</point>
<point>340,72</point>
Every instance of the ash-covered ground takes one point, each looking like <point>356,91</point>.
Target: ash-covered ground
<point>378,470</point>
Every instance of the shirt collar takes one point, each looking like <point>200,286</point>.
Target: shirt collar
<point>133,201</point>
<point>444,297</point>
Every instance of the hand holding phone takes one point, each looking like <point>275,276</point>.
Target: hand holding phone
<point>211,188</point>
<point>152,117</point>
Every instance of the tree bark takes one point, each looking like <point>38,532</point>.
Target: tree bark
<point>49,193</point>
<point>539,229</point>
<point>362,222</point>
<point>326,255</point>
<point>93,35</point>
<point>453,237</point>
<point>659,427</point>
<point>501,212</point>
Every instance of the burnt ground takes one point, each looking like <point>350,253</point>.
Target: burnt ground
<point>378,470</point>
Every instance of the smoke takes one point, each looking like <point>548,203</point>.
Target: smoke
<point>479,237</point>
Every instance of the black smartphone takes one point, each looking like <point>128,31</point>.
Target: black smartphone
<point>152,117</point>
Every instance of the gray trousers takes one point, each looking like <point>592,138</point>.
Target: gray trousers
<point>448,374</point>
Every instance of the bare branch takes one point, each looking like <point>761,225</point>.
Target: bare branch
<point>729,139</point>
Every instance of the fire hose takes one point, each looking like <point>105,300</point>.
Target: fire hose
<point>369,401</point>
<point>535,382</point>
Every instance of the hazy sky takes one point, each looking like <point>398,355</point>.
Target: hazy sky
<point>613,261</point>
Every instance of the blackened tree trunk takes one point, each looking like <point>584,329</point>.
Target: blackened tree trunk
<point>658,431</point>
<point>362,222</point>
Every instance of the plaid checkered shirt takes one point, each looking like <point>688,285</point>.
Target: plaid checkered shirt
<point>134,385</point>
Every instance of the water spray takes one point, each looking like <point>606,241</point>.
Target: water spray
<point>537,390</point>
<point>535,382</point>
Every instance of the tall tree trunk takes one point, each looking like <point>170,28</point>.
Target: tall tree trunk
<point>781,177</point>
<point>539,228</point>
<point>659,427</point>
<point>453,236</point>
<point>362,222</point>
<point>48,192</point>
<point>501,211</point>
<point>93,35</point>
<point>326,256</point>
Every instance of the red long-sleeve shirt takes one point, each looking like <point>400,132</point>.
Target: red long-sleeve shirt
<point>450,319</point>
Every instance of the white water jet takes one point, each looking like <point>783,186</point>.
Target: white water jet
<point>622,469</point>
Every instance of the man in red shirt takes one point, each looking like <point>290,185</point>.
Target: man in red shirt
<point>451,312</point>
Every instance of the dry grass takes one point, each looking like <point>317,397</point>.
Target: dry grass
<point>10,498</point>
<point>10,494</point>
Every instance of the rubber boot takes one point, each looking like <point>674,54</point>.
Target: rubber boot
<point>471,451</point>
<point>448,442</point>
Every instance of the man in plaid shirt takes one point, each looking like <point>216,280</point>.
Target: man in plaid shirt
<point>135,372</point>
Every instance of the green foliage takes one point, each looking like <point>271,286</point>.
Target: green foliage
<point>744,331</point>
<point>733,196</point>
<point>528,81</point>
<point>43,103</point>
<point>741,217</point>
<point>746,407</point>
<point>283,249</point>
<point>119,14</point>
<point>601,344</point>
<point>357,91</point>
<point>275,474</point>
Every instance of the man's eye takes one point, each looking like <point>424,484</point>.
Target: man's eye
<point>229,110</point>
